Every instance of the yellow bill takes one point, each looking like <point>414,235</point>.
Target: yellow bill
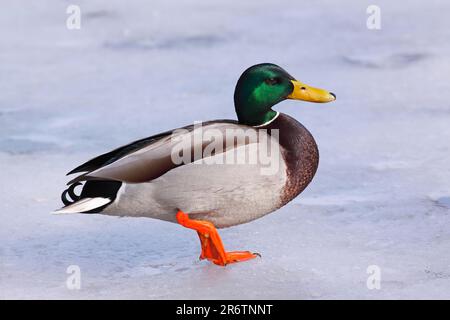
<point>306,93</point>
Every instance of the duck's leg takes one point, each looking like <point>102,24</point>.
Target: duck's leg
<point>212,246</point>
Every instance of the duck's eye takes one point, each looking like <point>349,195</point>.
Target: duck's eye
<point>272,81</point>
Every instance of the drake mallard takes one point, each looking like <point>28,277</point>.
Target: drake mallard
<point>204,192</point>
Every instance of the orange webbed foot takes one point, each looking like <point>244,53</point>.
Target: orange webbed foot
<point>212,246</point>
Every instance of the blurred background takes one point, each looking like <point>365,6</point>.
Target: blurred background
<point>381,195</point>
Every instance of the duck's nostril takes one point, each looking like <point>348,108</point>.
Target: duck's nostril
<point>333,95</point>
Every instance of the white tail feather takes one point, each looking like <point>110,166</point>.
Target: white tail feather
<point>83,205</point>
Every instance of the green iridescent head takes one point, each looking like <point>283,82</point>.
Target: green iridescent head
<point>264,85</point>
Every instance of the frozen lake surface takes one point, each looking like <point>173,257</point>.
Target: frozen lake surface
<point>381,195</point>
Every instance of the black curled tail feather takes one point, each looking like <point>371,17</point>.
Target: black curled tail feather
<point>68,196</point>
<point>92,189</point>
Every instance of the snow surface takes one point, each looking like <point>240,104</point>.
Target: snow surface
<point>381,195</point>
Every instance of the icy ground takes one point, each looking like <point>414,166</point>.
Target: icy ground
<point>381,195</point>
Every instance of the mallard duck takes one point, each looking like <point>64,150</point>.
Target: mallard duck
<point>146,178</point>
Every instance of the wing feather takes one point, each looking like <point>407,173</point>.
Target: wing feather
<point>149,158</point>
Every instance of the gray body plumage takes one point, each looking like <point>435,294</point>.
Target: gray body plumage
<point>224,194</point>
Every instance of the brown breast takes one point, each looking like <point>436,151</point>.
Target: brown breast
<point>300,154</point>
